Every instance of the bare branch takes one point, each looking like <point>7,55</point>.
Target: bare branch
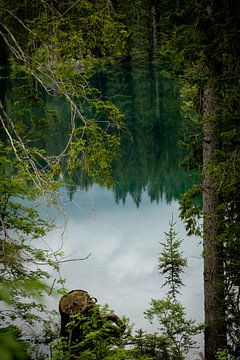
<point>58,262</point>
<point>52,8</point>
<point>65,12</point>
<point>20,21</point>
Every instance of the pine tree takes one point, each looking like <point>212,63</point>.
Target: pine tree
<point>169,312</point>
<point>171,262</point>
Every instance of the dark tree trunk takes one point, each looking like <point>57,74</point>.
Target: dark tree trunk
<point>215,333</point>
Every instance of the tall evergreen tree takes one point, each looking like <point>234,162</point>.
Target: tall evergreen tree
<point>202,39</point>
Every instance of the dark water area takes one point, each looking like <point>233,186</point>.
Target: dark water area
<point>150,152</point>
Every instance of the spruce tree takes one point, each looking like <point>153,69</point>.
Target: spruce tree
<point>169,312</point>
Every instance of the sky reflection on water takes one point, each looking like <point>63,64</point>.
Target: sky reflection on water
<point>124,244</point>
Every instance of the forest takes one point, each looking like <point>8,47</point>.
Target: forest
<point>56,49</point>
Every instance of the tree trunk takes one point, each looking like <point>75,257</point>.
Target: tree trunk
<point>215,333</point>
<point>154,32</point>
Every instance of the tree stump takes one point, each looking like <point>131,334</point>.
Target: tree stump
<point>76,302</point>
<point>80,315</point>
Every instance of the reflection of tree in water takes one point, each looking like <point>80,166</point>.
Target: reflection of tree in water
<point>150,154</point>
<point>45,118</point>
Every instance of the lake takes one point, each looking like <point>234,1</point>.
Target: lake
<point>121,227</point>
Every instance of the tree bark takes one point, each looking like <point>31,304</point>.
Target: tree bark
<point>215,332</point>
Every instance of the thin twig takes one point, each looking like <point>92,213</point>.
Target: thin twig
<point>63,261</point>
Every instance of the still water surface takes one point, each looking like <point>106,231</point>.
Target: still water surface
<point>121,227</point>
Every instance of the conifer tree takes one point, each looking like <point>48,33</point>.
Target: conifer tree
<point>204,45</point>
<point>171,262</point>
<point>169,312</point>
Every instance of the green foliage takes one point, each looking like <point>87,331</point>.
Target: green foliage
<point>63,43</point>
<point>151,345</point>
<point>22,280</point>
<point>11,345</point>
<point>171,262</point>
<point>95,336</point>
<point>223,355</point>
<point>52,49</point>
<point>136,14</point>
<point>170,314</point>
<point>191,210</point>
<point>91,150</point>
<point>197,40</point>
<point>178,331</point>
<point>123,354</point>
